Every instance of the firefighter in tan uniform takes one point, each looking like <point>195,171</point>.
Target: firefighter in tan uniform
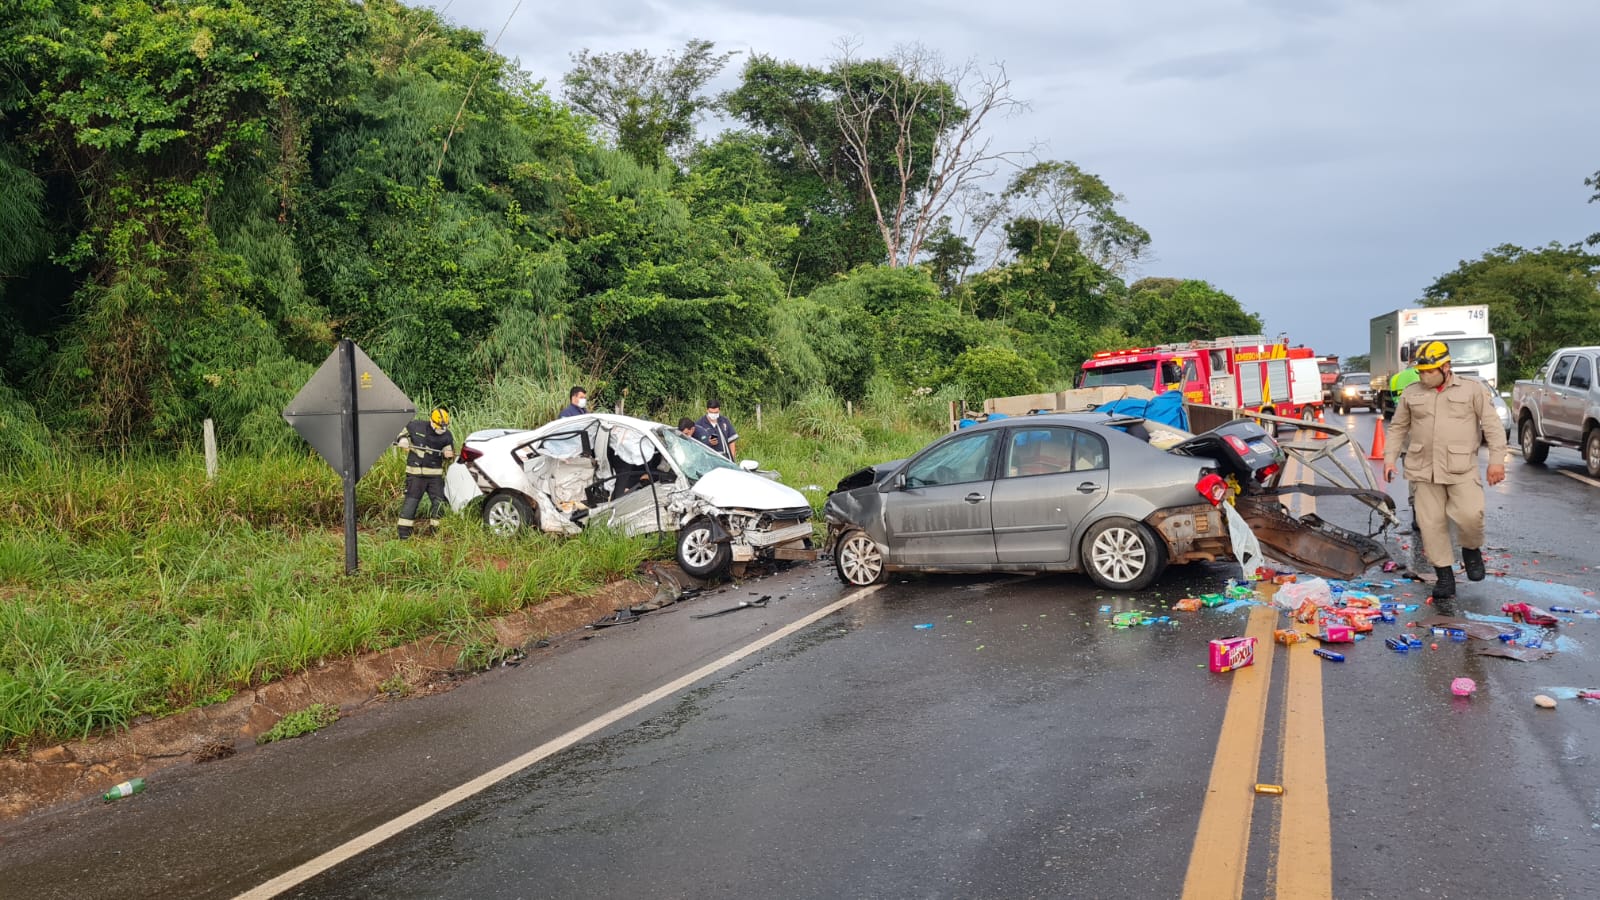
<point>429,446</point>
<point>1439,424</point>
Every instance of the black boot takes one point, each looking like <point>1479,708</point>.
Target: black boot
<point>1472,558</point>
<point>1445,587</point>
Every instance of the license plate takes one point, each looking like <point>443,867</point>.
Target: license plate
<point>1261,446</point>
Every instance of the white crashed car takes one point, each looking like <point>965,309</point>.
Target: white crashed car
<point>636,476</point>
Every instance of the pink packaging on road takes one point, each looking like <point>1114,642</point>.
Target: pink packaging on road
<point>1232,653</point>
<point>1338,634</point>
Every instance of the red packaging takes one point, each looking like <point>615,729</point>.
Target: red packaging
<point>1307,612</point>
<point>1232,653</point>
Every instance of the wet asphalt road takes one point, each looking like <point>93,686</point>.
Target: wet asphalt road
<point>1019,747</point>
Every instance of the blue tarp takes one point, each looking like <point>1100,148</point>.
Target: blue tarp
<point>1165,408</point>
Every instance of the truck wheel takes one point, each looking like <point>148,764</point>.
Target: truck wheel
<point>1308,414</point>
<point>1533,449</point>
<point>1591,452</point>
<point>507,514</point>
<point>698,553</point>
<point>1123,555</point>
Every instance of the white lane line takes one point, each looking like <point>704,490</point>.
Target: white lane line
<point>307,870</point>
<point>1576,477</point>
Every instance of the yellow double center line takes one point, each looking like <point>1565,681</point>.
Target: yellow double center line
<point>1303,847</point>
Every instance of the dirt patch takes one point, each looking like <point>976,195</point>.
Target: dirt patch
<point>68,772</point>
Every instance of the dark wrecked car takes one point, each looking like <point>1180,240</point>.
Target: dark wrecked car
<point>1058,493</point>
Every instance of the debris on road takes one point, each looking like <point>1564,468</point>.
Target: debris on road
<point>1544,701</point>
<point>1463,687</point>
<point>1227,654</point>
<point>1274,789</point>
<point>742,604</point>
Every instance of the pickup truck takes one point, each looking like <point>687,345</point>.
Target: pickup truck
<point>1561,407</point>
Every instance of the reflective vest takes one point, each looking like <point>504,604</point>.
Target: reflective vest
<point>429,449</point>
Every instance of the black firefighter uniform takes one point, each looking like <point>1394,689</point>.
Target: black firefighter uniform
<point>428,451</point>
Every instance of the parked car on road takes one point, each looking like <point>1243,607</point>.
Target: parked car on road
<point>1560,407</point>
<point>636,476</point>
<point>1051,493</point>
<point>1352,389</point>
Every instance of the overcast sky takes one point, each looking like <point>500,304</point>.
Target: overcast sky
<point>1321,160</point>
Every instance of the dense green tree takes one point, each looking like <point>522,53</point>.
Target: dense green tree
<point>1168,310</point>
<point>1538,299</point>
<point>648,104</point>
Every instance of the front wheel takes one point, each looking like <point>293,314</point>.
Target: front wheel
<point>507,514</point>
<point>699,553</point>
<point>1308,414</point>
<point>858,560</point>
<point>1123,555</point>
<point>1533,450</point>
<point>1591,453</point>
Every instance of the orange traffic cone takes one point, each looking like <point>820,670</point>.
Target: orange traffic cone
<point>1377,441</point>
<point>1322,433</point>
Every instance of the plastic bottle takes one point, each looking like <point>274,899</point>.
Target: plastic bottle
<point>1329,655</point>
<point>125,789</point>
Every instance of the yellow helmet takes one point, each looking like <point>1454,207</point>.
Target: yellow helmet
<point>440,418</point>
<point>1432,355</point>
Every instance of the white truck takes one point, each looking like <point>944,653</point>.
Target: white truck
<point>1397,335</point>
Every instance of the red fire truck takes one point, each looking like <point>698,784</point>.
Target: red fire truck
<point>1245,371</point>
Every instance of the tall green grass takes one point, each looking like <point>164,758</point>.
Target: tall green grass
<point>133,586</point>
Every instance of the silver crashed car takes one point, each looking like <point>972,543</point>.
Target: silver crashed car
<point>636,476</point>
<point>1049,493</point>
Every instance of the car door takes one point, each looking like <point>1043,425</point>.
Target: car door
<point>1575,397</point>
<point>1554,406</point>
<point>1049,480</point>
<point>937,511</point>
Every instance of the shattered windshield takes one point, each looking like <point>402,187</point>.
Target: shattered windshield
<point>693,458</point>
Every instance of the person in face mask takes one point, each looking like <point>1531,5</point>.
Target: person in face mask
<point>577,403</point>
<point>1439,423</point>
<point>715,431</point>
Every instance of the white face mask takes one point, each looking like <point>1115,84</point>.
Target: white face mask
<point>713,416</point>
<point>581,403</point>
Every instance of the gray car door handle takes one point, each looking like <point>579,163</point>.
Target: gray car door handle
<point>1088,487</point>
<point>974,497</point>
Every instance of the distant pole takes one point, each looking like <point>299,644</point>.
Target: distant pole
<point>850,407</point>
<point>211,450</point>
<point>348,450</point>
<point>758,416</point>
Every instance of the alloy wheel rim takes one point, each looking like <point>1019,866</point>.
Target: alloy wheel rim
<point>697,549</point>
<point>504,520</point>
<point>1119,555</point>
<point>1594,452</point>
<point>860,560</point>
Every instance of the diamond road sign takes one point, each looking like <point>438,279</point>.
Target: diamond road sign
<point>381,410</point>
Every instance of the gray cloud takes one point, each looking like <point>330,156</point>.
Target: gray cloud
<point>1322,160</point>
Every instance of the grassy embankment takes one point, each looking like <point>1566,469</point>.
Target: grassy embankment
<point>135,587</point>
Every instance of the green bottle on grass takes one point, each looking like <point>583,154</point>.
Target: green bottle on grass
<point>125,789</point>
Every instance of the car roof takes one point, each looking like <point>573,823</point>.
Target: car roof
<point>571,422</point>
<point>1085,419</point>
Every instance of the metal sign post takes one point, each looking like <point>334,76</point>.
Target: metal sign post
<point>349,412</point>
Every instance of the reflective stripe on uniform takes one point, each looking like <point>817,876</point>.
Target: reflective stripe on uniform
<point>407,523</point>
<point>423,470</point>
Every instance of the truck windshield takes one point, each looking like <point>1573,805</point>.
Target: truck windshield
<point>1142,374</point>
<point>1471,352</point>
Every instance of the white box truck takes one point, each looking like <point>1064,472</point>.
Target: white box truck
<point>1397,335</point>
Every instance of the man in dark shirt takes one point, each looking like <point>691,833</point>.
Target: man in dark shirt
<point>715,431</point>
<point>577,403</point>
<point>429,445</point>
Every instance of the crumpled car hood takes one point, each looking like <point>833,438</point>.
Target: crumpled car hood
<point>738,489</point>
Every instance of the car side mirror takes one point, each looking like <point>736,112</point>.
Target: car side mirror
<point>749,465</point>
<point>900,481</point>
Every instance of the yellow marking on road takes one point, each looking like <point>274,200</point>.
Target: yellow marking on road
<point>1576,477</point>
<point>367,841</point>
<point>1222,841</point>
<point>1305,835</point>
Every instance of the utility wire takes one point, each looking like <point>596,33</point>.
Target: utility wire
<point>445,147</point>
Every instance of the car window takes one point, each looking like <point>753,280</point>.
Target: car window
<point>693,458</point>
<point>956,461</point>
<point>1088,452</point>
<point>1582,374</point>
<point>1191,372</point>
<point>1039,451</point>
<point>1563,366</point>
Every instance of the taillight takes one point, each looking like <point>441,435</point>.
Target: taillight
<point>1239,447</point>
<point>1268,472</point>
<point>470,453</point>
<point>1213,488</point>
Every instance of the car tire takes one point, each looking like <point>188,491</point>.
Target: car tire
<point>1591,452</point>
<point>1308,414</point>
<point>1534,450</point>
<point>858,560</point>
<point>699,554</point>
<point>1123,555</point>
<point>506,515</point>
